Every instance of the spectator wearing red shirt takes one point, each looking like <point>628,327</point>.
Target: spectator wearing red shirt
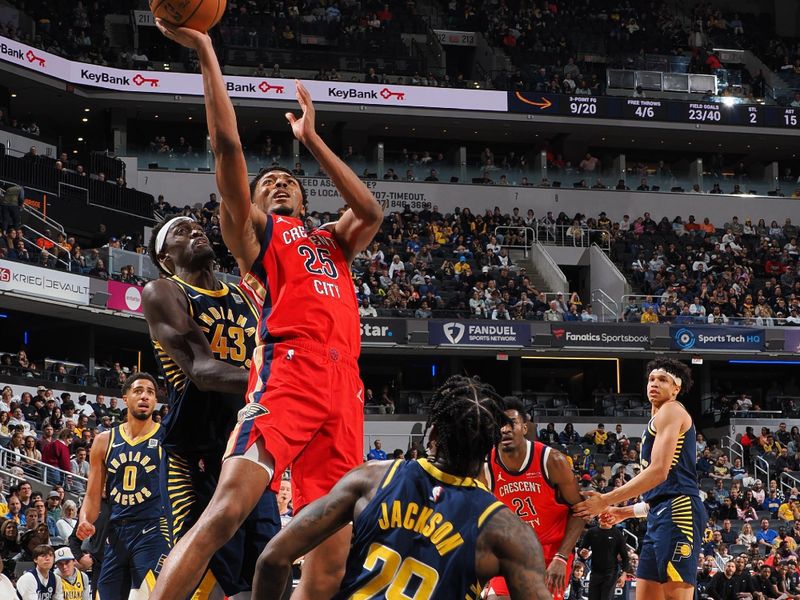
<point>774,266</point>
<point>56,454</point>
<point>385,15</point>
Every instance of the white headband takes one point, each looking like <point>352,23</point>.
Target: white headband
<point>675,378</point>
<point>161,238</point>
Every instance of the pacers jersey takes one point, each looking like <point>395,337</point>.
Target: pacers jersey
<point>132,481</point>
<point>198,422</point>
<point>416,538</point>
<point>302,280</point>
<point>682,477</point>
<point>75,590</point>
<point>530,495</point>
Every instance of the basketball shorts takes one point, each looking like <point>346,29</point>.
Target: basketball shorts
<point>671,546</point>
<point>188,485</point>
<point>306,404</point>
<point>498,587</point>
<point>134,553</point>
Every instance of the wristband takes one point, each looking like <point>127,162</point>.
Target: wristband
<point>640,509</point>
<point>560,557</point>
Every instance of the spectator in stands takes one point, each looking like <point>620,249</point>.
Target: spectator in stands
<point>552,313</point>
<point>766,536</point>
<point>377,453</point>
<point>569,436</point>
<point>79,466</point>
<point>69,518</point>
<point>548,435</point>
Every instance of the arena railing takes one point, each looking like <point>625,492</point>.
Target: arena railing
<point>42,472</point>
<point>761,469</point>
<point>734,448</point>
<point>528,235</point>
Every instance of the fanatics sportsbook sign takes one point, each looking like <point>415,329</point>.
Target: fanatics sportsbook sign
<point>599,335</point>
<point>479,333</point>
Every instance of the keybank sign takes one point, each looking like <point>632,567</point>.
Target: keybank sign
<point>466,333</point>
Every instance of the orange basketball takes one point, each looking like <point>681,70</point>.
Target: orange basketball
<point>200,15</point>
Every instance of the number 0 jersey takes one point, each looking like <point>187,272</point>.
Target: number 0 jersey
<point>302,281</point>
<point>132,479</point>
<point>530,494</point>
<point>199,423</point>
<point>416,538</point>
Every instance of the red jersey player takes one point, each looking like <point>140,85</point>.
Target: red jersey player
<point>306,397</point>
<point>537,483</point>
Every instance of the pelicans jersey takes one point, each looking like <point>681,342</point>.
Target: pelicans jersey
<point>306,361</point>
<point>675,521</point>
<point>416,538</point>
<point>197,428</point>
<point>78,589</point>
<point>530,495</point>
<point>137,542</point>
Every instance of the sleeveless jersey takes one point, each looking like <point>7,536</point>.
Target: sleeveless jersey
<point>682,477</point>
<point>45,591</point>
<point>132,482</point>
<point>416,538</point>
<point>199,422</point>
<point>530,495</point>
<point>74,591</point>
<point>302,282</point>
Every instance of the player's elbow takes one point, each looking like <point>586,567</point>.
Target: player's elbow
<point>658,472</point>
<point>203,376</point>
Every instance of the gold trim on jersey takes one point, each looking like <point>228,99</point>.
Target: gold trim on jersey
<point>180,493</point>
<point>490,510</point>
<point>144,438</point>
<point>390,473</point>
<point>213,293</point>
<point>683,517</point>
<point>447,478</point>
<point>206,587</point>
<point>678,448</point>
<point>258,289</point>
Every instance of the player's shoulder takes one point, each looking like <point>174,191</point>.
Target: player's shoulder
<point>157,290</point>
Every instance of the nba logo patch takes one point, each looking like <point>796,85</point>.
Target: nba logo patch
<point>682,550</point>
<point>152,443</point>
<point>237,298</point>
<point>436,493</point>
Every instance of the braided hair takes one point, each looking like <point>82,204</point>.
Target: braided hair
<point>467,416</point>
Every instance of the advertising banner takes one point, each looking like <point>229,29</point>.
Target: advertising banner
<point>791,340</point>
<point>716,337</point>
<point>43,283</point>
<point>384,331</point>
<point>599,335</point>
<point>479,333</point>
<point>455,38</point>
<point>124,297</point>
<point>191,84</point>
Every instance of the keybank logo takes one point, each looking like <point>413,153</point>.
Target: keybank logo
<point>454,332</point>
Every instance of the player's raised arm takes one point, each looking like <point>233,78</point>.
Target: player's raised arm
<point>165,309</point>
<point>90,509</point>
<point>315,523</point>
<point>359,224</point>
<point>239,223</point>
<point>509,548</point>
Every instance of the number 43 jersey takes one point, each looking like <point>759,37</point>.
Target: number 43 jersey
<point>199,423</point>
<point>416,538</point>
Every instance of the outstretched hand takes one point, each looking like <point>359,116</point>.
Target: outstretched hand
<point>189,38</point>
<point>304,127</point>
<point>593,505</point>
<point>612,516</point>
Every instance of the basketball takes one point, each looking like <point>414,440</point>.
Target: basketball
<point>200,15</point>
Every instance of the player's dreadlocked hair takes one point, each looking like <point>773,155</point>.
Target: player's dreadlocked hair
<point>467,415</point>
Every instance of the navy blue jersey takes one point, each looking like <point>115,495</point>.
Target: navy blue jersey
<point>682,477</point>
<point>132,482</point>
<point>44,591</point>
<point>416,538</point>
<point>199,423</point>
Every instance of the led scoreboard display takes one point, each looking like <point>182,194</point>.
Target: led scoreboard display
<point>647,109</point>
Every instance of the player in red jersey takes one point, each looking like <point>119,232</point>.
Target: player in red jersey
<point>536,482</point>
<point>306,397</point>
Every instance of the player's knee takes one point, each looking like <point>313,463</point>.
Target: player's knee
<point>220,523</point>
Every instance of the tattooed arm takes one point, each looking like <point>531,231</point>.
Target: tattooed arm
<point>508,547</point>
<point>315,523</point>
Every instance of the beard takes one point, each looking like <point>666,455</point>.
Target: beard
<point>283,210</point>
<point>140,416</point>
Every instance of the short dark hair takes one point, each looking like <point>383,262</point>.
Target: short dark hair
<point>675,368</point>
<point>467,415</point>
<point>514,403</point>
<point>133,377</point>
<point>153,251</point>
<point>42,550</point>
<point>260,175</point>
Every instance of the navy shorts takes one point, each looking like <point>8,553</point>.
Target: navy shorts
<point>671,546</point>
<point>188,485</point>
<point>134,554</point>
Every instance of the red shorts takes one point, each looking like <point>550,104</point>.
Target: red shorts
<point>306,404</point>
<point>499,587</point>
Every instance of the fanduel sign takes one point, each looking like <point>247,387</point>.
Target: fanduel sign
<point>599,335</point>
<point>466,333</point>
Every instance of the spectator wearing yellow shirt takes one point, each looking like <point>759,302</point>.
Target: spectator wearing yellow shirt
<point>650,315</point>
<point>462,267</point>
<point>599,435</point>
<point>782,536</point>
<point>790,511</point>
